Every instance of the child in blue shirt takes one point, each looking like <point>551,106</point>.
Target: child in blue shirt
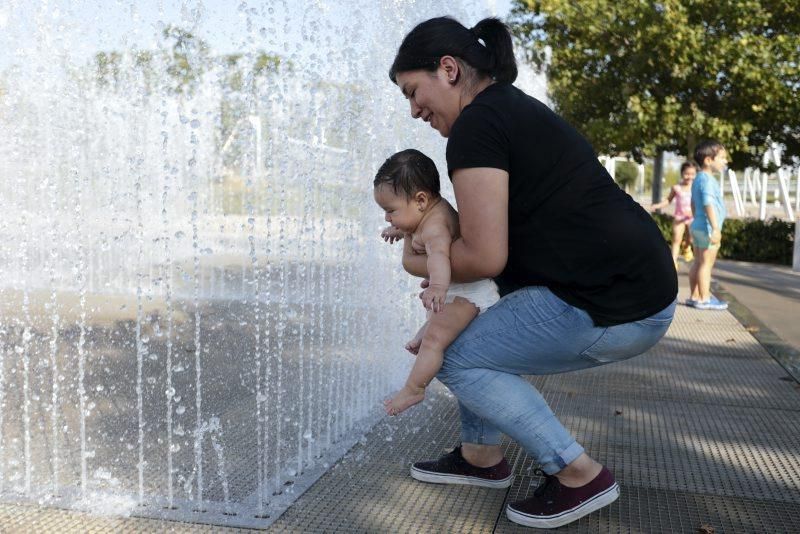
<point>708,206</point>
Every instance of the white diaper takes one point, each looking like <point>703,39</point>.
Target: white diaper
<point>483,293</point>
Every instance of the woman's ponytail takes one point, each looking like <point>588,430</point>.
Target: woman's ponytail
<point>487,48</point>
<point>497,39</point>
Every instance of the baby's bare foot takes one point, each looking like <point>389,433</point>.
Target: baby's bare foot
<point>403,400</point>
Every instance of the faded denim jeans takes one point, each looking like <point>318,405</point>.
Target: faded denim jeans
<point>533,332</point>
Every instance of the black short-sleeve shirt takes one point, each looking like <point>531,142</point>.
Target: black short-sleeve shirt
<point>571,228</point>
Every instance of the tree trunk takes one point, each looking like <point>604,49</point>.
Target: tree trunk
<point>691,143</point>
<point>658,175</point>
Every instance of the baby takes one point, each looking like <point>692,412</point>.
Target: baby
<point>407,188</point>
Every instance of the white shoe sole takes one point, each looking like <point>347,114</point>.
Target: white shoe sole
<point>568,516</point>
<point>438,478</point>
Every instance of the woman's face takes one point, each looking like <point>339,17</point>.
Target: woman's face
<point>433,97</point>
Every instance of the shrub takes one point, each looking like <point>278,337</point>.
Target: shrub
<point>626,174</point>
<point>770,241</point>
<point>664,223</point>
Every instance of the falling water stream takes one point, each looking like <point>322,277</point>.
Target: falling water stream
<point>197,315</point>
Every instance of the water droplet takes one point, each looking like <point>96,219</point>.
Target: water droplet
<point>180,409</point>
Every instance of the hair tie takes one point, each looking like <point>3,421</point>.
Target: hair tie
<point>479,39</point>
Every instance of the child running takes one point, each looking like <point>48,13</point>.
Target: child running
<point>406,187</point>
<point>682,194</point>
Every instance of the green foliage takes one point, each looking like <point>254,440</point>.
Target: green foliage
<point>107,67</point>
<point>641,76</point>
<point>179,65</point>
<point>625,174</point>
<point>664,223</point>
<point>770,241</point>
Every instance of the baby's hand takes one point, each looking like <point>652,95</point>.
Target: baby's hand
<point>433,297</point>
<point>391,234</point>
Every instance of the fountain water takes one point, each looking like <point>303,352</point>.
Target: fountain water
<point>196,312</point>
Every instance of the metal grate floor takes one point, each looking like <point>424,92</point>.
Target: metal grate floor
<point>702,430</point>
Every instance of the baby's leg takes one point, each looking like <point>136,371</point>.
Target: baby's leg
<point>442,329</point>
<point>413,345</point>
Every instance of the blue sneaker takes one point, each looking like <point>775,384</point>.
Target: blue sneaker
<point>712,303</point>
<point>691,302</point>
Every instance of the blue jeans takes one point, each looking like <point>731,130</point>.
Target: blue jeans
<point>533,332</point>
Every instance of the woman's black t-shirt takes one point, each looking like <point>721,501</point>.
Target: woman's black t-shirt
<point>571,228</point>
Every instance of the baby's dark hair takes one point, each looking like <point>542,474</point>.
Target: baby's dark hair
<point>409,171</point>
<point>707,149</point>
<point>687,165</point>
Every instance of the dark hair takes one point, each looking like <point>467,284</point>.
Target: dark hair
<point>424,46</point>
<point>409,171</point>
<point>707,149</point>
<point>686,165</point>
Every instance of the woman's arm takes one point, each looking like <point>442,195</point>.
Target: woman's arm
<point>482,199</point>
<point>414,264</point>
<point>482,249</point>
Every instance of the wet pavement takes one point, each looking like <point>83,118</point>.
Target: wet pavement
<point>700,433</point>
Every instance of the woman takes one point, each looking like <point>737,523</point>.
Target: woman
<point>586,275</point>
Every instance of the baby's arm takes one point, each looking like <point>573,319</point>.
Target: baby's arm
<point>437,241</point>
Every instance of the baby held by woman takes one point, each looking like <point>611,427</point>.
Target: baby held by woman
<point>406,187</point>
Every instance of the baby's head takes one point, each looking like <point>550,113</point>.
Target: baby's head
<point>406,185</point>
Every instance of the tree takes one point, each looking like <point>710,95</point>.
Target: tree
<point>643,77</point>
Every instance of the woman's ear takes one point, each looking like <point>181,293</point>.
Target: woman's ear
<point>450,67</point>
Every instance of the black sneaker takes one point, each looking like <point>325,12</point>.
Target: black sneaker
<point>553,505</point>
<point>452,468</point>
